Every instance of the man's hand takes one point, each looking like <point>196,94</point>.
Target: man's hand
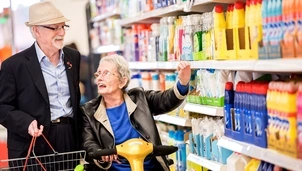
<point>184,72</point>
<point>33,129</point>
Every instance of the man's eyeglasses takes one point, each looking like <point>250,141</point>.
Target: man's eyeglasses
<point>65,27</point>
<point>105,74</point>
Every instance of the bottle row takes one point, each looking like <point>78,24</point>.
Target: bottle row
<point>265,29</point>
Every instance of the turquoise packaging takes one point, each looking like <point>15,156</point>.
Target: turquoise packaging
<point>202,146</point>
<point>207,143</point>
<point>192,144</point>
<point>197,140</point>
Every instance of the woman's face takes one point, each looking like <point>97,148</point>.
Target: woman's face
<point>108,79</point>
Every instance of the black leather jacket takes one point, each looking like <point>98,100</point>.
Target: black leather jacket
<point>141,106</point>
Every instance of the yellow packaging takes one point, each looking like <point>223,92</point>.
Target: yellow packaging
<point>252,165</point>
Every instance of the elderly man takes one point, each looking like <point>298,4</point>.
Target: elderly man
<point>40,88</point>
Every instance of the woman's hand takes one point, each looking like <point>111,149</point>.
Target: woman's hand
<point>110,159</point>
<point>184,72</point>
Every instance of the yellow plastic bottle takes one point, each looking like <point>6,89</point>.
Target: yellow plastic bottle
<point>291,120</point>
<point>239,30</point>
<point>259,18</point>
<point>279,114</point>
<point>231,53</point>
<point>247,29</point>
<point>255,22</point>
<point>219,33</point>
<point>270,102</point>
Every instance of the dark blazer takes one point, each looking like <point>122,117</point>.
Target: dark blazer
<point>23,97</point>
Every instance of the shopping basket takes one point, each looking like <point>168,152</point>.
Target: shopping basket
<point>51,162</point>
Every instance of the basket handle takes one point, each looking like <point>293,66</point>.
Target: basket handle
<point>31,148</point>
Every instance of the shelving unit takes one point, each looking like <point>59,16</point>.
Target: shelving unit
<point>152,16</point>
<point>175,120</point>
<point>271,65</point>
<point>176,9</point>
<point>107,49</point>
<point>114,13</point>
<point>202,109</point>
<point>212,165</point>
<point>267,155</point>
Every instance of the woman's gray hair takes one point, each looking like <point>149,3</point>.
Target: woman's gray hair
<point>121,65</point>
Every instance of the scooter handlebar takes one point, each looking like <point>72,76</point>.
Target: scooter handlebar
<point>162,150</point>
<point>103,152</point>
<point>158,150</point>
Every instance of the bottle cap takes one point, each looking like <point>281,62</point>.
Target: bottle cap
<point>263,89</point>
<point>218,8</point>
<point>239,5</point>
<point>228,86</point>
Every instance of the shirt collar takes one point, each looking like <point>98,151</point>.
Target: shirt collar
<point>41,54</point>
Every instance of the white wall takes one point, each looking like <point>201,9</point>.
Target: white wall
<point>74,10</point>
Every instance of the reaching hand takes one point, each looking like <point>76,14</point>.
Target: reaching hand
<point>184,72</point>
<point>33,129</point>
<point>110,159</point>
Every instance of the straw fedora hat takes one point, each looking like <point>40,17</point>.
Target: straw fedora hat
<point>44,13</point>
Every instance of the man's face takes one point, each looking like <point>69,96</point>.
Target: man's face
<point>51,36</point>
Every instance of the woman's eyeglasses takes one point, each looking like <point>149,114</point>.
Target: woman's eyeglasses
<point>65,27</point>
<point>105,74</point>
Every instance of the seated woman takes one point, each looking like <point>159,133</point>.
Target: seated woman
<point>118,115</point>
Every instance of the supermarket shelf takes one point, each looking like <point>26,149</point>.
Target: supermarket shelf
<point>267,155</point>
<point>107,49</point>
<point>143,65</point>
<point>175,120</point>
<point>202,2</point>
<point>176,9</point>
<point>272,65</point>
<point>212,165</point>
<point>203,109</point>
<point>106,15</point>
<point>152,16</point>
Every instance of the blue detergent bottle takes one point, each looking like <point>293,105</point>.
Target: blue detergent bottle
<point>228,107</point>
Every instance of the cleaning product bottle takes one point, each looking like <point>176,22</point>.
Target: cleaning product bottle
<point>154,43</point>
<point>299,120</point>
<point>228,107</point>
<point>181,153</point>
<point>291,120</point>
<point>237,162</point>
<point>187,42</point>
<point>197,39</point>
<point>172,156</point>
<point>261,116</point>
<point>219,32</point>
<point>253,165</point>
<point>170,39</point>
<point>239,24</point>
